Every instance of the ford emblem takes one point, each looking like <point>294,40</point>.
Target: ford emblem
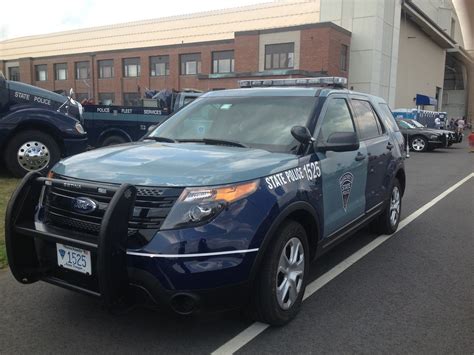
<point>84,205</point>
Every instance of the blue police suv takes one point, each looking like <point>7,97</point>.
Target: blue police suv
<point>225,204</point>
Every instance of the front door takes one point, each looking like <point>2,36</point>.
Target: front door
<point>344,174</point>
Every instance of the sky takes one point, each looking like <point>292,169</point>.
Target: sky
<point>46,16</point>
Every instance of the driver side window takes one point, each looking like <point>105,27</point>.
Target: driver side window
<point>337,119</point>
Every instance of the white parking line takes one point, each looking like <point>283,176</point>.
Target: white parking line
<point>257,328</point>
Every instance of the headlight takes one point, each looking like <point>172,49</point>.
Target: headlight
<point>79,128</point>
<point>199,205</point>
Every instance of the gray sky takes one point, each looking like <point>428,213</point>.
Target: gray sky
<point>46,16</point>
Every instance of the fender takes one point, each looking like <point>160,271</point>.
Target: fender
<point>288,210</point>
<point>57,122</point>
<point>116,131</point>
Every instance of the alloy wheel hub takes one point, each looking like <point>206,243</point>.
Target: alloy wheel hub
<point>394,206</point>
<point>289,278</point>
<point>418,144</point>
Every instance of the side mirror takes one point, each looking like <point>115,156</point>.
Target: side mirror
<point>341,142</point>
<point>71,92</point>
<point>302,134</point>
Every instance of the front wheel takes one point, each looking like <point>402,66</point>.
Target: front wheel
<point>419,144</point>
<point>31,151</point>
<point>282,281</point>
<point>113,140</point>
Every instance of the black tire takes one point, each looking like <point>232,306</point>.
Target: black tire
<point>113,140</point>
<point>384,224</point>
<point>266,307</point>
<point>416,142</point>
<point>46,143</point>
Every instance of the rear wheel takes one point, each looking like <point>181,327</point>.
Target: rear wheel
<point>282,281</point>
<point>387,222</point>
<point>31,151</point>
<point>113,140</point>
<point>419,144</point>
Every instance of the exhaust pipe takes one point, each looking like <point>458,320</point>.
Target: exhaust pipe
<point>184,303</point>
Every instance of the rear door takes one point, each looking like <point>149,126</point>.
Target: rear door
<point>375,137</point>
<point>343,173</point>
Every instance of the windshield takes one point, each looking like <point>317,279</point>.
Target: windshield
<point>404,124</point>
<point>415,124</point>
<point>257,122</point>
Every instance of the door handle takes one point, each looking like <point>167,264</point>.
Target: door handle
<point>389,146</point>
<point>359,156</point>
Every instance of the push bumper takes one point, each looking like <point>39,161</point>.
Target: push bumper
<point>186,282</point>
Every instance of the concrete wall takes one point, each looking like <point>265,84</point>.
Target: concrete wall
<point>375,27</point>
<point>441,12</point>
<point>420,65</point>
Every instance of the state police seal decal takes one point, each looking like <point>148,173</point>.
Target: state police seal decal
<point>345,183</point>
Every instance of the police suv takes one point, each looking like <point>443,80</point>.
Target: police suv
<point>225,204</point>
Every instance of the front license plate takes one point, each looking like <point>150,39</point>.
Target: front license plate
<point>74,258</point>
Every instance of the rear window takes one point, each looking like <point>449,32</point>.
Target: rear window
<point>369,126</point>
<point>387,117</point>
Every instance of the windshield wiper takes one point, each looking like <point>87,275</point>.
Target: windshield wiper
<point>212,141</point>
<point>161,139</point>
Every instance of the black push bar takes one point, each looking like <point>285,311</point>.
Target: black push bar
<point>110,249</point>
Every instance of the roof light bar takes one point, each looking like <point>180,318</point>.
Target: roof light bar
<point>317,81</point>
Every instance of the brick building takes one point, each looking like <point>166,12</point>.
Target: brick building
<point>121,76</point>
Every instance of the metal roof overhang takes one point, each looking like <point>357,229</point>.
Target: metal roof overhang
<point>427,25</point>
<point>462,55</point>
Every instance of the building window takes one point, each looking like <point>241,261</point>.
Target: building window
<point>279,56</point>
<point>81,96</point>
<point>131,99</point>
<point>82,70</point>
<point>131,67</point>
<point>223,62</point>
<point>41,72</point>
<point>343,57</point>
<point>190,64</point>
<point>453,28</point>
<point>106,69</point>
<point>60,71</point>
<point>160,65</point>
<point>106,98</point>
<point>14,73</point>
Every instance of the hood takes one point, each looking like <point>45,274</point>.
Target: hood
<point>426,130</point>
<point>440,131</point>
<point>174,164</point>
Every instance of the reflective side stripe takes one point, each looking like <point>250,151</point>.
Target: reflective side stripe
<point>174,256</point>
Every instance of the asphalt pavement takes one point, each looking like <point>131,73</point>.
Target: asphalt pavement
<point>412,294</point>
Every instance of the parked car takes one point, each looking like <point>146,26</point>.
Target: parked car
<point>452,136</point>
<point>422,139</point>
<point>223,205</point>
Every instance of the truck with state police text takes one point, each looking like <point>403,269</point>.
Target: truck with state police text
<point>37,127</point>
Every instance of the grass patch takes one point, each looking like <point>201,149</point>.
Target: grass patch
<point>7,185</point>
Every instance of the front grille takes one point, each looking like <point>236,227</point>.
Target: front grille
<point>152,206</point>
